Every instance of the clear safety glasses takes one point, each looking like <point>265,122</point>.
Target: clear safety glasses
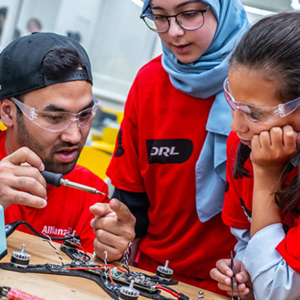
<point>189,20</point>
<point>57,121</point>
<point>261,114</point>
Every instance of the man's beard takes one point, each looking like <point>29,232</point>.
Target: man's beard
<point>27,140</point>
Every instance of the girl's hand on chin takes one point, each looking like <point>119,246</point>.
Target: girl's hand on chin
<point>271,150</point>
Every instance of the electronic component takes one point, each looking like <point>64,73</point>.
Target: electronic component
<point>164,273</point>
<point>74,250</point>
<point>128,293</point>
<point>20,258</point>
<point>140,281</point>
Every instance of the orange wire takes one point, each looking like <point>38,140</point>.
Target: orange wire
<point>110,276</point>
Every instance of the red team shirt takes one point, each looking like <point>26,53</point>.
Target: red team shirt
<point>237,210</point>
<point>67,208</point>
<point>159,143</point>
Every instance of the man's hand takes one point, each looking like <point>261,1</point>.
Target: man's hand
<point>223,273</point>
<point>114,228</point>
<point>21,181</point>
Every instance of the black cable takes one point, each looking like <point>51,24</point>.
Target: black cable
<point>10,228</point>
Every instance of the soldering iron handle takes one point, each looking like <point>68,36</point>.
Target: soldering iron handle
<point>52,178</point>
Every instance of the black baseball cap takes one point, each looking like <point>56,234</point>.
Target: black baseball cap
<point>21,63</point>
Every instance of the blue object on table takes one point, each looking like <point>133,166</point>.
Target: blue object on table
<point>3,249</point>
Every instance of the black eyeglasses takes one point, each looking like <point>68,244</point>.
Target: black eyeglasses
<point>189,20</point>
<point>233,278</point>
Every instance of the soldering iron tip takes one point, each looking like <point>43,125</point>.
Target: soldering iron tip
<point>101,193</point>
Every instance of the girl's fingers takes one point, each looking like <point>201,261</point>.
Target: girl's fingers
<point>276,137</point>
<point>265,140</point>
<point>289,138</point>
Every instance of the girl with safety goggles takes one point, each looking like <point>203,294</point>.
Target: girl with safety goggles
<point>263,187</point>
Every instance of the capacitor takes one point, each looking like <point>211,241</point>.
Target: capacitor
<point>164,273</point>
<point>128,293</point>
<point>20,258</point>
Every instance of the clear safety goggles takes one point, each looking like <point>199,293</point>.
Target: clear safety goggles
<point>261,114</point>
<point>57,121</point>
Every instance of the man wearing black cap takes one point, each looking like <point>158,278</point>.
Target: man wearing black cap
<point>47,104</point>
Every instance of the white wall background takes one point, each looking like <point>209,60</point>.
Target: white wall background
<point>45,11</point>
<point>116,39</point>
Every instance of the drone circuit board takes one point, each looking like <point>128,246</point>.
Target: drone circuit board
<point>114,280</point>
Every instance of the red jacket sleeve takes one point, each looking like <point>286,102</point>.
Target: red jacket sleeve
<point>238,191</point>
<point>289,248</point>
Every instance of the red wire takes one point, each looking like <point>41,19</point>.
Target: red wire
<point>110,276</point>
<point>167,290</point>
<point>121,270</point>
<point>81,248</point>
<point>95,268</point>
<point>89,268</point>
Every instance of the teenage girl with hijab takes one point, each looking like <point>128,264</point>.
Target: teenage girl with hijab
<point>174,131</point>
<point>262,202</point>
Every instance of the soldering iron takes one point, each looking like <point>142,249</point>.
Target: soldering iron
<point>57,180</point>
